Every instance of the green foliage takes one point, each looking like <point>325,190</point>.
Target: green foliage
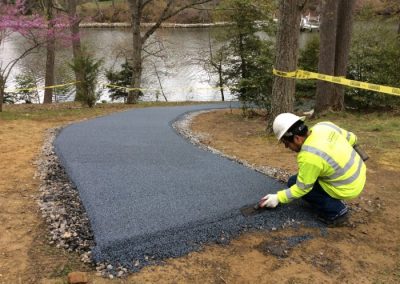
<point>249,50</point>
<point>8,98</point>
<point>308,60</point>
<point>375,49</point>
<point>120,78</point>
<point>373,58</point>
<point>366,12</point>
<point>26,88</point>
<point>91,69</point>
<point>256,87</point>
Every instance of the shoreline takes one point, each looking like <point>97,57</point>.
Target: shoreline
<point>163,25</point>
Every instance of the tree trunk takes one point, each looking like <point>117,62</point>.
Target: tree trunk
<point>2,87</point>
<point>76,47</point>
<point>221,81</point>
<point>398,28</point>
<point>326,63</point>
<point>159,82</point>
<point>136,8</point>
<point>243,63</point>
<point>287,42</point>
<point>343,42</point>
<point>51,53</point>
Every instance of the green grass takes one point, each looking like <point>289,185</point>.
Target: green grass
<point>374,130</point>
<point>62,271</point>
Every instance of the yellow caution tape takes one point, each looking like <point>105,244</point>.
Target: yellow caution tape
<point>128,88</point>
<point>39,88</point>
<point>302,74</point>
<point>115,87</point>
<point>149,89</point>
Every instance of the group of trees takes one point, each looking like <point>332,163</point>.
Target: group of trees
<point>244,61</point>
<point>335,38</point>
<point>246,52</point>
<point>47,13</point>
<point>329,55</point>
<point>44,24</point>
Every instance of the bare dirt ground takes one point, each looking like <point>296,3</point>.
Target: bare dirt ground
<point>368,252</point>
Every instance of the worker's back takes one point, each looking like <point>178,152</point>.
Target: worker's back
<point>330,149</point>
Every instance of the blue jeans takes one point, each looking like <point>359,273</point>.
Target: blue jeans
<point>326,206</point>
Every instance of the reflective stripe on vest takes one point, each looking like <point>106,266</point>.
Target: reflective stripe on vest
<point>331,126</point>
<point>302,185</point>
<point>289,194</point>
<point>338,170</point>
<point>348,136</point>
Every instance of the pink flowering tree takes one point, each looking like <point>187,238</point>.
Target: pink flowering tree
<point>13,21</point>
<point>57,31</point>
<point>37,31</point>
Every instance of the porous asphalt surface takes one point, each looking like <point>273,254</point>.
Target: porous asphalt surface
<point>150,194</point>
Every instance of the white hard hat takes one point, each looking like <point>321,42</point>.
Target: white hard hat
<point>283,122</point>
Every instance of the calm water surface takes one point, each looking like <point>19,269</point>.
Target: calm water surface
<point>179,62</point>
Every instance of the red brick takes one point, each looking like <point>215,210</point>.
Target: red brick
<point>77,278</point>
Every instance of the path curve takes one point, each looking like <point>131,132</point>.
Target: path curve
<point>150,194</point>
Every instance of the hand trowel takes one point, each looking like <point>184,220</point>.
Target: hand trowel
<point>253,209</point>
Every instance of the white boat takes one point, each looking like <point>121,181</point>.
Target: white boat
<point>309,23</point>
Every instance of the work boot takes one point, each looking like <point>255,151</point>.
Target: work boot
<point>341,221</point>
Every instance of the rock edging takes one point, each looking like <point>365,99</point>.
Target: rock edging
<point>182,126</point>
<point>60,204</point>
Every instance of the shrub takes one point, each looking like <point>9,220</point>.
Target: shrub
<point>26,89</point>
<point>373,58</point>
<point>121,78</point>
<point>308,60</point>
<point>248,51</point>
<point>91,69</point>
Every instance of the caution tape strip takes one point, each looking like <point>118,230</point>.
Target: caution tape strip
<point>109,86</point>
<point>39,88</point>
<point>150,89</point>
<point>302,74</point>
<point>128,88</point>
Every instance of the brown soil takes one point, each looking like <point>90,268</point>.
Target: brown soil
<point>367,252</point>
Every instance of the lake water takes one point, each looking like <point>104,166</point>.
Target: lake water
<point>179,65</point>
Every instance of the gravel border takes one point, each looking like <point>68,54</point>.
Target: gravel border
<point>60,204</point>
<point>183,127</point>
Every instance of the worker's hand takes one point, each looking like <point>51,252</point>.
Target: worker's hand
<point>270,201</point>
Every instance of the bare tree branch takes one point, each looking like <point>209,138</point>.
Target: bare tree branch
<point>166,14</point>
<point>11,64</point>
<point>157,52</point>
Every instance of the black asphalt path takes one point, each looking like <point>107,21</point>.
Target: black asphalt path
<point>150,194</point>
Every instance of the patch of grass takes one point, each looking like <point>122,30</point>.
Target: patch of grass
<point>61,271</point>
<point>377,133</point>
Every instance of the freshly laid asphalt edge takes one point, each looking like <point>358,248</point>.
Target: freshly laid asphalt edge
<point>150,194</point>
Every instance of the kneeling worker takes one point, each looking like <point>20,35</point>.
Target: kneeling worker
<point>329,169</point>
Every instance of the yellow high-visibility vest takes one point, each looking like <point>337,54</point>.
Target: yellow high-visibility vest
<point>327,157</point>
